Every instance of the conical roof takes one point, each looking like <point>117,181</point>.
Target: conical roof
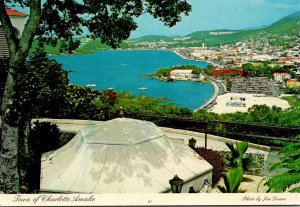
<point>121,131</point>
<point>119,156</point>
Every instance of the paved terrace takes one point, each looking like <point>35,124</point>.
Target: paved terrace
<point>213,142</point>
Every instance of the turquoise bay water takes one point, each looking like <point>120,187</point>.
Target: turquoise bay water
<point>123,71</point>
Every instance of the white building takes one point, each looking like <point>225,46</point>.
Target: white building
<point>280,77</point>
<point>17,19</point>
<point>181,74</point>
<point>241,102</point>
<point>262,57</point>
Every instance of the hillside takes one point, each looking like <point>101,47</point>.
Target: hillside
<point>289,25</point>
<point>153,38</point>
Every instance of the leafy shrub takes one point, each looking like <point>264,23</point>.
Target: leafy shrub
<point>215,159</point>
<point>289,179</point>
<point>237,158</point>
<point>44,137</point>
<point>232,180</point>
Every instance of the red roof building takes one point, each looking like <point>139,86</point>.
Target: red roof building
<point>227,71</point>
<point>12,12</point>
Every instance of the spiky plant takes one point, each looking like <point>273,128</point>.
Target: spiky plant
<point>237,156</point>
<point>232,180</point>
<point>290,161</point>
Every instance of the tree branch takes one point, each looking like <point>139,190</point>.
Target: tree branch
<point>9,31</point>
<point>30,27</point>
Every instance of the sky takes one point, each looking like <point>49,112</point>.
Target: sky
<point>220,14</point>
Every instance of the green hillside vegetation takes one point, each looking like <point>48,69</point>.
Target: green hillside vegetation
<point>289,25</point>
<point>86,48</point>
<point>216,40</point>
<point>153,38</point>
<point>286,25</point>
<point>94,45</point>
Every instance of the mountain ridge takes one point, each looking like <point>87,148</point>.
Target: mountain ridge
<point>289,24</point>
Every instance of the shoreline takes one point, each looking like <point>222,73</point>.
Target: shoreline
<point>212,99</point>
<point>213,82</point>
<point>216,88</point>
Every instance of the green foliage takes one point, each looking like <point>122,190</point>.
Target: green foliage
<point>264,115</point>
<point>79,103</point>
<point>237,156</point>
<point>290,162</point>
<point>110,21</point>
<point>44,137</point>
<point>147,105</point>
<point>208,71</point>
<point>263,70</point>
<point>228,84</point>
<point>232,180</point>
<point>40,85</point>
<point>215,159</point>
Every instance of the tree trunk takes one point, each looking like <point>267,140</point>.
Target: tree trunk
<point>9,155</point>
<point>25,159</point>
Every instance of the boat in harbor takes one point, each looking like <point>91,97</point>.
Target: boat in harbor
<point>91,85</point>
<point>143,88</point>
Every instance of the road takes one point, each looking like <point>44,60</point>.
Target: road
<point>219,90</point>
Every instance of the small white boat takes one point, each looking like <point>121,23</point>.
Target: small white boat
<point>91,85</point>
<point>143,88</point>
<point>110,88</point>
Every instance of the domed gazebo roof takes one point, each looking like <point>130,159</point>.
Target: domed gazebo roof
<point>119,156</point>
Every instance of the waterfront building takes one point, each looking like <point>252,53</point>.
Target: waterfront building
<point>17,19</point>
<point>181,74</point>
<point>227,71</point>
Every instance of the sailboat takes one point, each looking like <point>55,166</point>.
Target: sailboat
<point>143,88</point>
<point>91,84</point>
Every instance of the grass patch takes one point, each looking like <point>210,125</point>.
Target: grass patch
<point>293,101</point>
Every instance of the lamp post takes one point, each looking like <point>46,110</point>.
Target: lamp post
<point>192,143</point>
<point>176,184</point>
<point>205,138</point>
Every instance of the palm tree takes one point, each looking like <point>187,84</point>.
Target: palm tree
<point>237,159</point>
<point>291,163</point>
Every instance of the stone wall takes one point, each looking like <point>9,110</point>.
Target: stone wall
<point>258,162</point>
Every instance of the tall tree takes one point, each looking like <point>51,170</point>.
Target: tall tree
<point>51,21</point>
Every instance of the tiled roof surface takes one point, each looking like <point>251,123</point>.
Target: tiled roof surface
<point>12,12</point>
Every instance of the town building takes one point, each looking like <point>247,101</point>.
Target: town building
<point>293,83</point>
<point>227,71</point>
<point>181,74</point>
<point>281,77</point>
<point>237,102</point>
<point>17,19</point>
